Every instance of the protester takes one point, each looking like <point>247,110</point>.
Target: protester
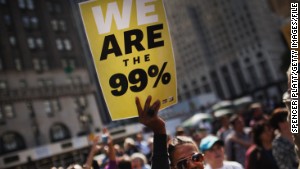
<point>139,161</point>
<point>180,131</point>
<point>130,147</point>
<point>260,155</point>
<point>283,146</point>
<point>183,152</point>
<point>213,149</point>
<point>238,141</point>
<point>257,114</point>
<point>119,150</point>
<point>94,150</point>
<point>225,129</point>
<point>142,145</point>
<point>124,162</point>
<point>112,162</point>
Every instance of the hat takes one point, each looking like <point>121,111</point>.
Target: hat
<point>208,141</point>
<point>255,105</point>
<point>139,156</point>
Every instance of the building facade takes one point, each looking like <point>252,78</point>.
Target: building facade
<point>231,48</point>
<point>48,99</point>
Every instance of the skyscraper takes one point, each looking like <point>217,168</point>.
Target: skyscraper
<point>232,48</point>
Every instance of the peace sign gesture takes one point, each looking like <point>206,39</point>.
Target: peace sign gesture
<point>148,115</point>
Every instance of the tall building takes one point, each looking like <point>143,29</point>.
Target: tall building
<point>48,98</point>
<point>232,48</point>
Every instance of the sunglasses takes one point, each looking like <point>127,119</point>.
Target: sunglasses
<point>183,164</point>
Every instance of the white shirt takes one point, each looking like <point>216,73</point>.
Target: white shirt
<point>227,165</point>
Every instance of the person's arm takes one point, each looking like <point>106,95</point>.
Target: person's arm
<point>110,144</point>
<point>112,164</point>
<point>244,143</point>
<point>148,116</point>
<point>95,149</point>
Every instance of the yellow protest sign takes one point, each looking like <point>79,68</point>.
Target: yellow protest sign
<point>132,52</point>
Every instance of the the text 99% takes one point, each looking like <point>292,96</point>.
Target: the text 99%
<point>138,79</point>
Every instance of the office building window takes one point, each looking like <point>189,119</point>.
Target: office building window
<point>52,106</point>
<point>207,88</point>
<point>18,64</point>
<point>26,23</point>
<point>239,75</point>
<point>34,22</point>
<point>62,25</point>
<point>59,44</point>
<point>265,70</point>
<point>48,108</point>
<point>56,105</point>
<point>197,91</point>
<point>216,82</point>
<point>3,85</point>
<point>253,76</point>
<point>81,102</point>
<point>29,106</point>
<point>39,43</point>
<point>30,22</point>
<point>36,64</point>
<point>8,111</point>
<point>30,4</point>
<point>54,25</point>
<point>45,64</point>
<point>68,63</point>
<point>187,95</point>
<point>67,44</point>
<point>11,141</point>
<point>22,4</point>
<point>12,41</point>
<point>74,81</point>
<point>41,83</point>
<point>59,132</point>
<point>7,20</point>
<point>31,43</point>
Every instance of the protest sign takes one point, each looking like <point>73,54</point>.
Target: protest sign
<point>132,52</point>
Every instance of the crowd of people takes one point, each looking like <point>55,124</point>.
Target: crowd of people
<point>263,141</point>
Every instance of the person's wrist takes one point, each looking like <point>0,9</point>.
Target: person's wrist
<point>161,129</point>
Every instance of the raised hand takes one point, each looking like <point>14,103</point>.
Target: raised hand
<point>148,115</point>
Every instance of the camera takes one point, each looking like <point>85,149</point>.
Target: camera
<point>104,139</point>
